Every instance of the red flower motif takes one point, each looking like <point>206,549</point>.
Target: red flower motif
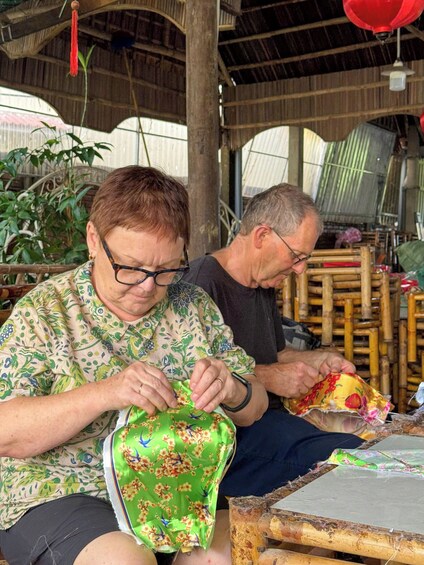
<point>353,401</point>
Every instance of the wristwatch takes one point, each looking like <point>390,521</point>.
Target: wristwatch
<point>247,398</point>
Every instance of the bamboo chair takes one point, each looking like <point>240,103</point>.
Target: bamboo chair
<point>415,324</point>
<point>24,278</point>
<point>285,296</point>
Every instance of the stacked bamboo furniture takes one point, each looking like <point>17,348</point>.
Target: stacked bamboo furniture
<point>411,346</point>
<point>350,306</point>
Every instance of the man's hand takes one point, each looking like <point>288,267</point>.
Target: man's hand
<point>291,380</point>
<point>298,371</point>
<point>335,363</point>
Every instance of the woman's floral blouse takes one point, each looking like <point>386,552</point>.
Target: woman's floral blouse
<point>61,336</point>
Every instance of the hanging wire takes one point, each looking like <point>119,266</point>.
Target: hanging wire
<point>398,44</point>
<point>136,105</point>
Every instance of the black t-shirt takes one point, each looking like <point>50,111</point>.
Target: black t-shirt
<point>251,313</point>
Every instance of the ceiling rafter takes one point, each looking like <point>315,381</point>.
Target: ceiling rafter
<point>293,29</point>
<point>316,54</point>
<point>317,92</point>
<point>251,9</point>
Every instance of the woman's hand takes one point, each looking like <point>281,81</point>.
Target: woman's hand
<point>212,383</point>
<point>140,385</point>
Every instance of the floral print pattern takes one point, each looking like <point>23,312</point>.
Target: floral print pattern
<point>342,402</point>
<point>162,472</point>
<point>60,336</point>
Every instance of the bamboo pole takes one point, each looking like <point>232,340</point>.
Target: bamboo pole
<point>348,330</point>
<point>374,359</point>
<point>287,296</point>
<point>366,282</point>
<point>333,271</point>
<point>302,281</point>
<point>368,543</point>
<point>327,310</point>
<point>403,366</point>
<point>412,328</point>
<point>386,313</point>
<point>385,375</point>
<point>286,557</point>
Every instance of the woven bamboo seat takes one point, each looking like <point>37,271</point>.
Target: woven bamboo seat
<point>18,279</point>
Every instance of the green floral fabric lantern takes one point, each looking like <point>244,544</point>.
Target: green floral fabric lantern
<point>163,472</point>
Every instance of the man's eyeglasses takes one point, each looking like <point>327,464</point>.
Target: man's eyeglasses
<point>295,256</point>
<point>136,275</point>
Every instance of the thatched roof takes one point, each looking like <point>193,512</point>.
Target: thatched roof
<point>297,62</point>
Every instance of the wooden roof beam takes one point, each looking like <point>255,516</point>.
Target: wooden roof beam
<point>316,54</point>
<point>286,30</point>
<point>47,93</point>
<point>416,32</point>
<point>275,5</point>
<point>316,92</point>
<point>157,49</point>
<point>51,18</point>
<point>109,73</point>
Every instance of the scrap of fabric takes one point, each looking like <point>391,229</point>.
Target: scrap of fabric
<point>410,461</point>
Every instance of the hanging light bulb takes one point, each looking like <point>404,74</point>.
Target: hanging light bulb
<point>382,16</point>
<point>398,72</point>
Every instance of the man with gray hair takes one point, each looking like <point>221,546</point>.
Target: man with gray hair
<point>278,232</point>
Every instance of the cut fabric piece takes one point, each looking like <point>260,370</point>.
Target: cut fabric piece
<point>162,472</point>
<point>342,402</point>
<point>409,461</point>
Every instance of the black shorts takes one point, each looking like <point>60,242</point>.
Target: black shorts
<point>56,532</point>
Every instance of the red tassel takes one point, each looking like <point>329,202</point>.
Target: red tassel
<point>74,39</point>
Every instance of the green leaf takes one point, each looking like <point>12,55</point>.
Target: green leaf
<point>75,138</point>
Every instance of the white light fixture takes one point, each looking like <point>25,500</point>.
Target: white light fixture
<point>398,72</point>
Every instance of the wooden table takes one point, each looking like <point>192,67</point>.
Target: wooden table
<point>264,534</point>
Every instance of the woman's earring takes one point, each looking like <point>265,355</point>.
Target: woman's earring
<point>91,256</point>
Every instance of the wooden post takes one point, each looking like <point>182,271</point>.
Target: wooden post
<point>295,164</point>
<point>202,123</point>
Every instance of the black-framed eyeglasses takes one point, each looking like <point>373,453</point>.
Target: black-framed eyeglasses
<point>295,256</point>
<point>131,275</point>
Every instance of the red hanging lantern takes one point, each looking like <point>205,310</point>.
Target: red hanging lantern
<point>422,121</point>
<point>382,16</point>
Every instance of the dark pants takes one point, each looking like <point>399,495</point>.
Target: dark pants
<point>54,533</point>
<point>276,449</point>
